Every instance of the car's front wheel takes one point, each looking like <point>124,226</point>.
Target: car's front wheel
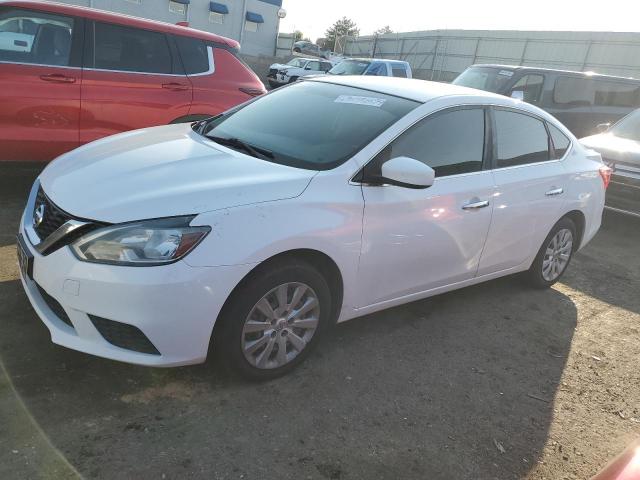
<point>554,255</point>
<point>273,320</point>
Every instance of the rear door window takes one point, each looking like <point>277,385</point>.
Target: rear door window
<point>35,37</point>
<point>194,54</point>
<point>573,91</point>
<point>520,139</point>
<point>129,49</point>
<point>399,71</point>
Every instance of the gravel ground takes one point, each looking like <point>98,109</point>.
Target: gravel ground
<point>495,381</point>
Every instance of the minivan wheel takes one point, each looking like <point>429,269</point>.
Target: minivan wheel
<point>293,79</point>
<point>274,320</point>
<point>555,254</point>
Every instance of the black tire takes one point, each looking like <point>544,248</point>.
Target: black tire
<point>228,335</point>
<point>293,79</point>
<point>535,275</point>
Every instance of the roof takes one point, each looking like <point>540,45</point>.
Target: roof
<point>358,59</point>
<point>101,15</point>
<point>558,70</point>
<point>410,88</point>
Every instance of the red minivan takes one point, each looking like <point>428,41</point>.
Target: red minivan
<point>70,75</point>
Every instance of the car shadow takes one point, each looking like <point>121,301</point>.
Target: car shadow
<point>610,264</point>
<point>16,179</point>
<point>457,386</point>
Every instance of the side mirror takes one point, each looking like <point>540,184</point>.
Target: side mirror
<point>518,95</point>
<point>307,68</point>
<point>407,172</point>
<point>603,127</point>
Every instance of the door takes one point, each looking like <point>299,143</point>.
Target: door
<point>418,239</point>
<point>40,75</point>
<point>572,102</point>
<point>530,182</point>
<point>132,79</point>
<point>528,88</point>
<point>313,68</point>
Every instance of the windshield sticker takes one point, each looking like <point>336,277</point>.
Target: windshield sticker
<point>506,73</point>
<point>356,100</point>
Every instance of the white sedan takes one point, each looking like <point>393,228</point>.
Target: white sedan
<point>250,236</point>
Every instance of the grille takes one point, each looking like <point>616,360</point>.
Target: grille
<point>123,335</point>
<point>53,217</point>
<point>272,72</point>
<point>55,306</point>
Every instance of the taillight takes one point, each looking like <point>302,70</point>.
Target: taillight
<point>605,174</point>
<point>254,92</point>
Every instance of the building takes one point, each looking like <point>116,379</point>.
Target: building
<point>254,23</point>
<point>442,54</point>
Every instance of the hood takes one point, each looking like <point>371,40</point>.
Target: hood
<point>163,172</point>
<point>614,149</point>
<point>280,66</point>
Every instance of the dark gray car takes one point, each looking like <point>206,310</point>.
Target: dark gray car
<point>580,100</point>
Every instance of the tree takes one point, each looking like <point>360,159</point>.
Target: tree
<point>344,27</point>
<point>383,30</point>
<point>298,35</point>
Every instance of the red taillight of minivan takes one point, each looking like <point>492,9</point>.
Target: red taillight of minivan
<point>605,174</point>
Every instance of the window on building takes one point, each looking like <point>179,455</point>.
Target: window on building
<point>520,139</point>
<point>215,17</point>
<point>131,49</point>
<point>436,141</point>
<point>531,88</point>
<point>573,91</point>
<point>194,54</point>
<point>250,26</point>
<point>177,7</point>
<point>35,37</point>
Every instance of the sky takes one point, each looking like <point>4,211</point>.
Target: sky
<point>313,17</point>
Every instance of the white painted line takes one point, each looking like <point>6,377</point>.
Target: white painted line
<point>619,210</point>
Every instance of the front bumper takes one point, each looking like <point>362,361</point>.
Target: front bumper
<point>175,306</point>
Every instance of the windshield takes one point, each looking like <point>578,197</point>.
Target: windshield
<point>485,78</point>
<point>349,67</point>
<point>628,127</point>
<point>335,123</point>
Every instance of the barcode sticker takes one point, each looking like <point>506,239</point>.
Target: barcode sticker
<point>356,100</point>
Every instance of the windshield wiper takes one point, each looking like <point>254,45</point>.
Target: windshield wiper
<point>238,144</point>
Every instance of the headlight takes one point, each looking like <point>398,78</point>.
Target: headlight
<point>145,243</point>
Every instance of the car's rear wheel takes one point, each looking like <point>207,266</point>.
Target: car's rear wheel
<point>554,255</point>
<point>273,320</point>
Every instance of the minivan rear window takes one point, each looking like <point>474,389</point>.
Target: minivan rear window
<point>194,55</point>
<point>130,49</point>
<point>573,91</point>
<point>488,79</point>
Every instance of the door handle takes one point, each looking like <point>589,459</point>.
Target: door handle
<point>57,78</point>
<point>555,191</point>
<point>175,86</point>
<point>476,205</point>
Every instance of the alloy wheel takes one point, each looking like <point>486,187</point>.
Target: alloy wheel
<point>280,325</point>
<point>557,255</point>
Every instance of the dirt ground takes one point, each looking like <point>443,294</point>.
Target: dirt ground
<point>495,381</point>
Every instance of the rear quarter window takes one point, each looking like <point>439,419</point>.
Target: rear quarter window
<point>560,141</point>
<point>194,54</point>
